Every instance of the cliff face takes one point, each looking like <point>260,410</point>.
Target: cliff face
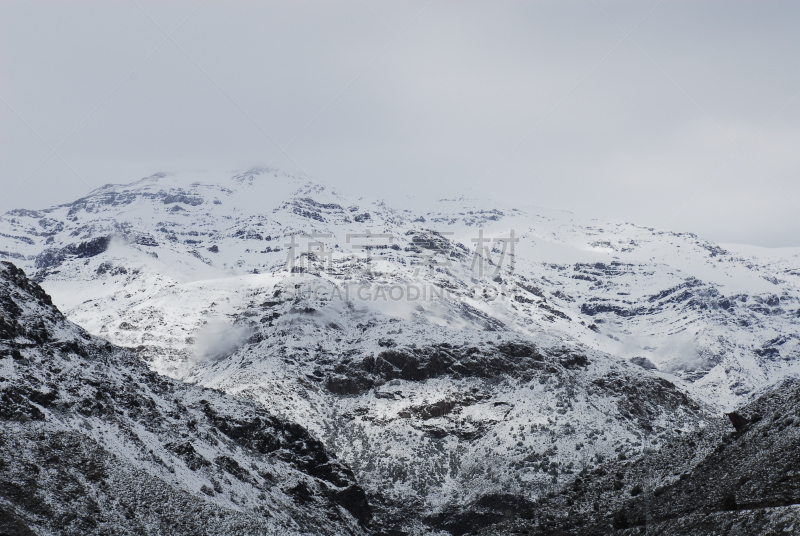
<point>94,443</point>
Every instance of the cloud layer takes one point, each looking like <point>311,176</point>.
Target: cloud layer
<point>688,123</point>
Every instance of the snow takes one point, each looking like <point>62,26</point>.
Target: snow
<point>718,321</point>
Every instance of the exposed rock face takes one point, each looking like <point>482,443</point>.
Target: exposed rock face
<point>511,358</point>
<point>94,443</point>
<point>52,258</point>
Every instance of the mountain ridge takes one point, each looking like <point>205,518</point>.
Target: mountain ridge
<point>502,385</point>
<point>585,271</point>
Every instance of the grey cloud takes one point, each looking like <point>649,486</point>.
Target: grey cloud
<point>435,113</point>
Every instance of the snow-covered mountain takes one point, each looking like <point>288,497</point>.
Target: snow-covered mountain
<point>442,377</point>
<point>722,317</point>
<point>92,442</point>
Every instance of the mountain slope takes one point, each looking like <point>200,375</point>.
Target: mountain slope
<point>447,416</point>
<point>721,318</point>
<point>747,484</point>
<point>450,408</point>
<point>458,389</point>
<point>94,443</point>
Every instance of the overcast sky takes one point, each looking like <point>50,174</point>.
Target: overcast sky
<point>682,115</point>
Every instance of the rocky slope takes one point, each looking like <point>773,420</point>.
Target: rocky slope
<point>434,418</point>
<point>748,484</point>
<point>458,389</point>
<point>94,443</point>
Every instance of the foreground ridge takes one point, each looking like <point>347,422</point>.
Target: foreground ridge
<point>94,443</point>
<point>747,484</point>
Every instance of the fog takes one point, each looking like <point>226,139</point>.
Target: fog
<point>218,339</point>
